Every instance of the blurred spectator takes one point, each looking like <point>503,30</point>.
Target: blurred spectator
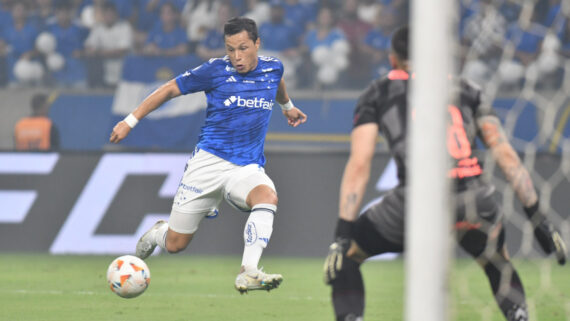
<point>149,12</point>
<point>19,37</point>
<point>213,45</point>
<point>36,132</point>
<point>564,36</point>
<point>300,15</point>
<point>541,10</point>
<point>91,11</point>
<point>281,39</point>
<point>376,45</point>
<point>354,30</point>
<point>482,40</point>
<point>328,48</point>
<point>239,6</point>
<point>368,11</point>
<point>167,38</point>
<point>554,10</point>
<point>401,8</point>
<point>64,64</point>
<point>200,16</point>
<point>555,49</point>
<point>106,46</point>
<point>5,14</point>
<point>42,14</point>
<point>5,17</point>
<point>511,9</point>
<point>527,41</point>
<point>258,11</point>
<point>279,35</point>
<point>466,9</point>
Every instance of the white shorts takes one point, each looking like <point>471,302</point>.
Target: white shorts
<point>207,179</point>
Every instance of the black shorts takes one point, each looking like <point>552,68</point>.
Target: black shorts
<point>477,214</point>
<point>370,240</point>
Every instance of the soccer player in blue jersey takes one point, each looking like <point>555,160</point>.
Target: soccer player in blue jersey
<point>241,90</point>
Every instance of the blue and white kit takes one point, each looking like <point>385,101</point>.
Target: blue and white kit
<point>228,160</point>
<point>239,106</point>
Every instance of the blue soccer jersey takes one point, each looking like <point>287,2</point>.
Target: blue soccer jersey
<point>239,106</point>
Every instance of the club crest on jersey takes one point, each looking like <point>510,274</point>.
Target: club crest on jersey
<point>249,102</point>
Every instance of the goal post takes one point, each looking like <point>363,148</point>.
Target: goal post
<point>428,221</point>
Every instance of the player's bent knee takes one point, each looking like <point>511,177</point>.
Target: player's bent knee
<point>176,242</point>
<point>262,194</point>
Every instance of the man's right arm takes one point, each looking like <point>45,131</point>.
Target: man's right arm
<point>352,188</point>
<point>357,170</point>
<point>161,95</point>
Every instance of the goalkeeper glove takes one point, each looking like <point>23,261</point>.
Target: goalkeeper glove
<point>333,262</point>
<point>546,234</point>
<point>337,250</point>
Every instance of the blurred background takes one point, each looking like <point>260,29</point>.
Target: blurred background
<point>70,69</point>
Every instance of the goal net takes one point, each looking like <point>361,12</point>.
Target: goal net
<point>519,53</point>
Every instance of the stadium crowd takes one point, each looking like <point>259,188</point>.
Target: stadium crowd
<point>83,43</point>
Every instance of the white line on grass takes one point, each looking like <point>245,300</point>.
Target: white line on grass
<point>186,294</point>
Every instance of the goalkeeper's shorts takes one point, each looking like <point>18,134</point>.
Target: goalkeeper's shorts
<point>477,212</point>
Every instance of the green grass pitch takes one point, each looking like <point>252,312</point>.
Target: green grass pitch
<point>42,287</point>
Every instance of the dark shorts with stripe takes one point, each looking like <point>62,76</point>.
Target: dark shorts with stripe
<point>478,219</point>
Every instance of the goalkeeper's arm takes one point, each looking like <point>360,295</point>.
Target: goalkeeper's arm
<point>357,170</point>
<point>493,135</point>
<point>352,188</point>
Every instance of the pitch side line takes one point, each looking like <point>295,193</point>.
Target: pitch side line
<point>209,296</point>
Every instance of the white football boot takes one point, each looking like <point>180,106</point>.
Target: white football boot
<point>147,243</point>
<point>257,280</point>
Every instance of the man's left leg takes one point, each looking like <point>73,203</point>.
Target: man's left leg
<point>491,254</point>
<point>256,192</point>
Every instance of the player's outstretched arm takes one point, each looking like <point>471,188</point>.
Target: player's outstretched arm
<point>352,188</point>
<point>494,137</point>
<point>295,116</point>
<point>161,95</point>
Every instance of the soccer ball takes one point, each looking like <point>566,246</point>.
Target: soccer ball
<point>128,276</point>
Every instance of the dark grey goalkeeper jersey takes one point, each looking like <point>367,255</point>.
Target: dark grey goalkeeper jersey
<point>385,102</point>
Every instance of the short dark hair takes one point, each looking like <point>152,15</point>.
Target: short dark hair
<point>400,44</point>
<point>238,24</point>
<point>38,101</point>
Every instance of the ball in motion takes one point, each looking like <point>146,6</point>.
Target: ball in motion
<point>128,276</point>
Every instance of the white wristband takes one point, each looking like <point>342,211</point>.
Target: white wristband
<point>287,106</point>
<point>131,120</point>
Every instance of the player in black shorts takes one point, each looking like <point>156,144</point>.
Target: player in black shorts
<point>479,220</point>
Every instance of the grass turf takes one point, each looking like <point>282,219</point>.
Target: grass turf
<point>43,287</point>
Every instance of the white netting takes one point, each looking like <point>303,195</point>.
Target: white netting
<point>519,52</point>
